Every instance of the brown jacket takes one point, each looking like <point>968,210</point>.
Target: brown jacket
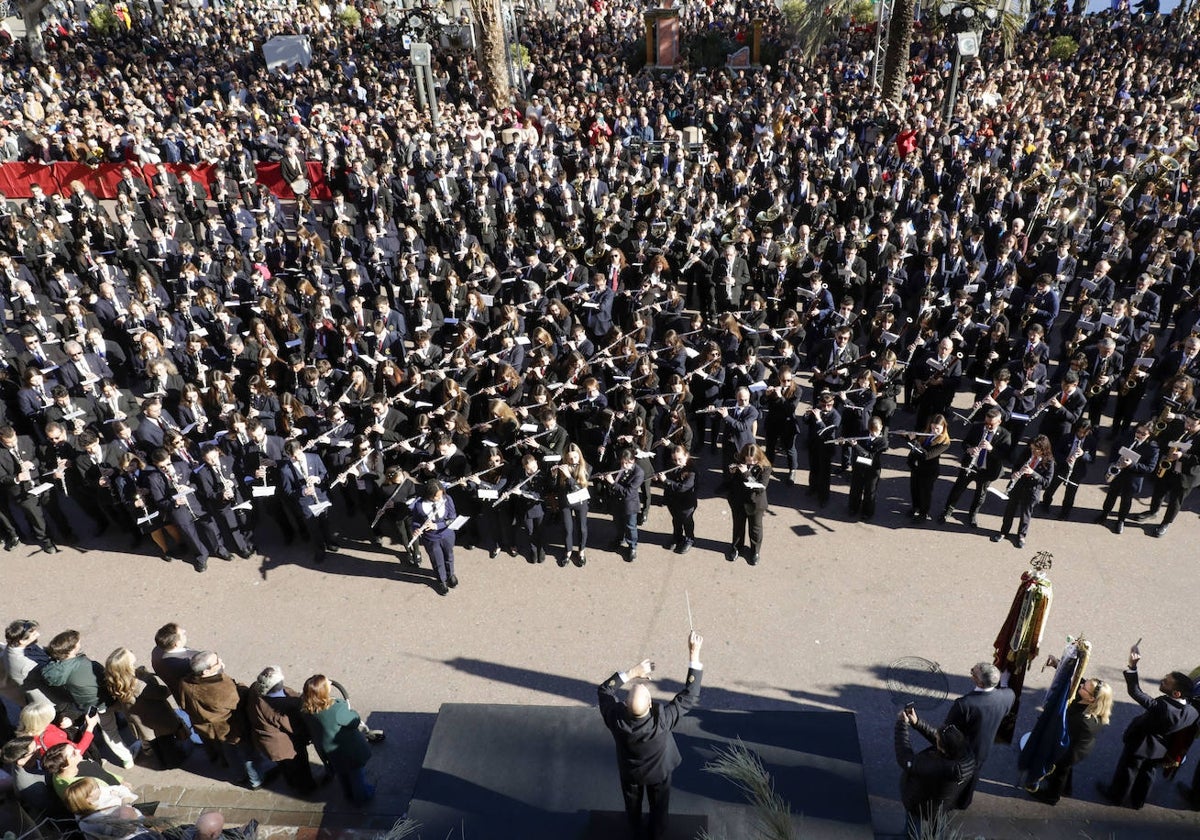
<point>276,725</point>
<point>152,713</point>
<point>213,705</point>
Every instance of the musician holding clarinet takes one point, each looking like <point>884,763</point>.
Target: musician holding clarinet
<point>1025,488</point>
<point>219,496</point>
<point>985,451</point>
<point>432,516</point>
<point>866,452</point>
<point>748,477</point>
<point>1135,459</point>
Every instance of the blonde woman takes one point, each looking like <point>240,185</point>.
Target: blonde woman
<point>337,733</point>
<point>570,477</point>
<point>1086,716</point>
<point>37,722</point>
<point>146,703</point>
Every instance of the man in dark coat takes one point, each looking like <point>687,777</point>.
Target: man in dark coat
<point>985,451</point>
<point>1147,735</point>
<point>642,731</point>
<point>937,777</point>
<point>978,716</point>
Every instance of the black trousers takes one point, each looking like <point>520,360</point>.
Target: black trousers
<point>660,802</point>
<point>683,524</point>
<point>1019,507</point>
<point>741,520</point>
<point>864,482</point>
<point>1133,775</point>
<point>965,480</point>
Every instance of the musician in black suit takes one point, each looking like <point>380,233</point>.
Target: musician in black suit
<point>730,274</point>
<point>1025,490</point>
<point>1125,477</point>
<point>153,424</point>
<point>642,732</point>
<point>978,716</point>
<point>739,425</point>
<point>18,477</point>
<point>218,492</point>
<point>302,476</point>
<point>1146,736</point>
<point>1182,471</point>
<point>625,496</point>
<point>1063,409</point>
<point>170,492</point>
<point>985,452</point>
<point>865,469</point>
<point>749,475</point>
<point>679,495</point>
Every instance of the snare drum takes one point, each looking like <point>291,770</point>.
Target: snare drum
<point>300,187</point>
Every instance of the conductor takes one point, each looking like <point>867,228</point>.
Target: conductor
<point>642,730</point>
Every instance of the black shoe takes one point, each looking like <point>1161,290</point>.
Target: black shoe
<point>1043,796</point>
<point>944,515</point>
<point>541,555</point>
<point>631,556</point>
<point>494,553</point>
<point>452,581</point>
<point>1161,530</point>
<point>201,564</point>
<point>10,543</point>
<point>1143,516</point>
<point>583,558</point>
<point>1020,543</point>
<point>333,546</point>
<point>245,555</point>
<point>511,551</point>
<point>101,529</point>
<point>753,561</point>
<point>224,555</point>
<point>441,588</point>
<point>49,547</point>
<point>562,561</point>
<point>973,522</point>
<point>997,537</point>
<point>319,557</point>
<point>731,554</point>
<point>1119,527</point>
<point>685,547</point>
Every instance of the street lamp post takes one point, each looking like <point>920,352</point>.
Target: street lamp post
<point>963,19</point>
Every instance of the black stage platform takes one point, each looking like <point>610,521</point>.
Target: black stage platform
<point>495,772</point>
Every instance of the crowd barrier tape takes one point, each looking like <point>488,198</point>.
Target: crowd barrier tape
<point>17,179</point>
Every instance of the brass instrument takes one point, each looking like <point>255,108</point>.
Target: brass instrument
<point>1190,143</point>
<point>1131,381</point>
<point>1165,464</point>
<point>1162,421</point>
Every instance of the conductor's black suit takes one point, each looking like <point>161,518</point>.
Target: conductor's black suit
<point>646,751</point>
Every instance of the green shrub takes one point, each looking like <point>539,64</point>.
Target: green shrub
<point>350,18</point>
<point>103,20</point>
<point>1063,48</point>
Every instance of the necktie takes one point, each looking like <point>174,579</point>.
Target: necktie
<point>987,438</point>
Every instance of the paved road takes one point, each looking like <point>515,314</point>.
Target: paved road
<point>814,626</point>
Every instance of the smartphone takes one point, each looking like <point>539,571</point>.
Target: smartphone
<point>91,712</point>
<point>910,707</point>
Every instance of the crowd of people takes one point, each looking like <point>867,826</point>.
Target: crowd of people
<point>76,712</point>
<point>538,312</point>
<point>501,326</point>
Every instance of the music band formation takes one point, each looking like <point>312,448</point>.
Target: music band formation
<point>446,391</point>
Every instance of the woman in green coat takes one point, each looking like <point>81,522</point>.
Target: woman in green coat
<point>336,732</point>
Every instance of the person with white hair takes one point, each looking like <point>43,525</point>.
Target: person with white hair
<point>978,716</point>
<point>642,731</point>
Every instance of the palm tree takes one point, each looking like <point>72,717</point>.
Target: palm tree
<point>492,51</point>
<point>31,16</point>
<point>814,23</point>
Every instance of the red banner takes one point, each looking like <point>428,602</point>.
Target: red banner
<point>17,178</point>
